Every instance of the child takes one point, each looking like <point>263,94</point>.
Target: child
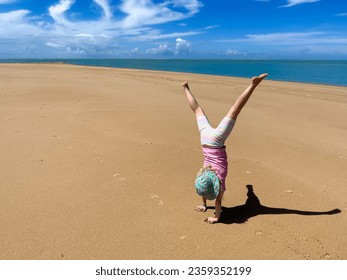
<point>210,181</point>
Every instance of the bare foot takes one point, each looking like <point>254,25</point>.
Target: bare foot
<point>185,85</point>
<point>201,208</point>
<point>256,80</point>
<point>212,220</point>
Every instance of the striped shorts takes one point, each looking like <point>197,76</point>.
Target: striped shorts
<point>214,136</point>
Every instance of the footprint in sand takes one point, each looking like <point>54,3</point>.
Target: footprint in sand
<point>117,175</point>
<point>326,256</point>
<point>160,201</point>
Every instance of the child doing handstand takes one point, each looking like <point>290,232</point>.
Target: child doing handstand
<point>210,181</point>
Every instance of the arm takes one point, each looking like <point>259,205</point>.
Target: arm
<point>203,207</point>
<point>218,208</point>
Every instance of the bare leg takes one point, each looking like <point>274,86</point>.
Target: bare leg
<point>243,98</point>
<point>203,207</point>
<point>218,208</point>
<point>192,101</point>
<point>198,112</point>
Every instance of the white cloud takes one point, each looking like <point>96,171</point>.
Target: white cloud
<point>132,20</point>
<point>291,38</point>
<point>17,16</point>
<point>210,27</point>
<point>154,34</point>
<point>183,46</point>
<point>282,38</point>
<point>57,11</point>
<point>163,49</point>
<point>291,3</point>
<point>235,53</point>
<point>342,15</point>
<point>15,24</point>
<point>191,5</point>
<point>54,45</point>
<point>290,44</point>
<point>105,6</point>
<point>145,12</point>
<point>78,51</point>
<point>137,14</point>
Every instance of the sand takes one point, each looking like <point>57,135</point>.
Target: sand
<point>99,163</point>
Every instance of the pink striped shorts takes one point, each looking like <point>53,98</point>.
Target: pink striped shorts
<point>217,158</point>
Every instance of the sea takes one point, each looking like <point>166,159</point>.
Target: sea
<point>328,72</point>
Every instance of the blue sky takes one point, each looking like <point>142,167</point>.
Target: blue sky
<point>235,29</point>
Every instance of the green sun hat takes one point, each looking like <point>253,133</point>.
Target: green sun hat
<point>207,184</point>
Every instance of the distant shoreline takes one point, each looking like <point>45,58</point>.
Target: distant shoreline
<point>319,72</point>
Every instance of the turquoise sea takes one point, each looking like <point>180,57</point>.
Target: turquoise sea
<point>330,72</point>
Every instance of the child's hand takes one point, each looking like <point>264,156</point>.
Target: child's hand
<point>212,220</point>
<point>201,208</point>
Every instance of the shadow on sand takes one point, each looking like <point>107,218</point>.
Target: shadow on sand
<point>240,214</point>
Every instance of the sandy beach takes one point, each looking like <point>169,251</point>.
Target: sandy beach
<point>100,163</point>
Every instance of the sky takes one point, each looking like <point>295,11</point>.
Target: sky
<point>219,29</point>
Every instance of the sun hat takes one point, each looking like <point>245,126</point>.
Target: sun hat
<point>207,183</point>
